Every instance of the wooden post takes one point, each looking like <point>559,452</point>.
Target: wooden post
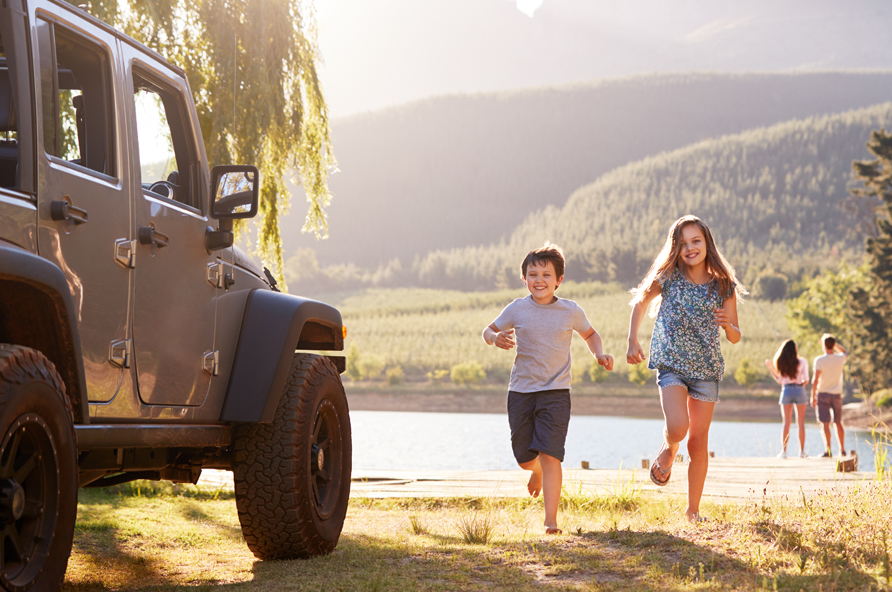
<point>711,454</point>
<point>645,463</point>
<point>585,464</point>
<point>849,465</point>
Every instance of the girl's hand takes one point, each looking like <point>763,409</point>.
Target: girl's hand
<point>605,360</point>
<point>723,319</point>
<point>504,339</point>
<point>635,354</point>
<point>768,363</point>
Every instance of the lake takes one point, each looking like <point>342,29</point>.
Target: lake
<point>390,440</point>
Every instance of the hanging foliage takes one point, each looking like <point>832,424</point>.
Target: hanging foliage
<point>251,65</point>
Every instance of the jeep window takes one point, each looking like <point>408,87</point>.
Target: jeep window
<point>76,99</point>
<point>9,138</point>
<point>166,157</point>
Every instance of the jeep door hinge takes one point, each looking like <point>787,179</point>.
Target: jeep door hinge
<point>215,275</point>
<point>211,362</point>
<point>125,252</point>
<point>119,353</point>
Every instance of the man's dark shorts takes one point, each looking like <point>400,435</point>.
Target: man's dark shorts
<point>538,423</point>
<point>826,403</point>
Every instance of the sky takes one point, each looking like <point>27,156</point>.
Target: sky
<point>387,52</point>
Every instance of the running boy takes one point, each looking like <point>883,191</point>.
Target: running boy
<point>539,390</point>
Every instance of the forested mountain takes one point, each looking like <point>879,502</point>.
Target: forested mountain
<point>466,169</point>
<point>774,198</point>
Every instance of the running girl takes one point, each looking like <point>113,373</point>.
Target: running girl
<point>791,372</point>
<point>694,292</point>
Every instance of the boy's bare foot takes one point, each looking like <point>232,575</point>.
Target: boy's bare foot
<point>553,530</point>
<point>534,485</point>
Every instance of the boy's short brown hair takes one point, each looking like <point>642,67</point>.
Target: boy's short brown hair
<point>829,341</point>
<point>547,252</point>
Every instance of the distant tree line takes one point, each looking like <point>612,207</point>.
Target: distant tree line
<point>856,304</point>
<point>776,198</point>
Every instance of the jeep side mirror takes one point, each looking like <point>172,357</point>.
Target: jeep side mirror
<point>234,190</point>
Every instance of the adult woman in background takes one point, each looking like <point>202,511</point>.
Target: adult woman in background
<point>791,372</point>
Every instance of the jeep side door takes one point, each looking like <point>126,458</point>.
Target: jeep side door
<point>84,207</point>
<point>174,299</point>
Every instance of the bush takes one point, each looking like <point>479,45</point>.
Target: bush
<point>467,373</point>
<point>597,373</point>
<point>772,286</point>
<point>395,375</point>
<point>638,373</point>
<point>353,363</point>
<point>370,366</point>
<point>437,376</point>
<point>882,398</point>
<point>747,373</point>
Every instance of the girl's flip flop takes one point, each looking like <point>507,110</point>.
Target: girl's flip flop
<point>657,467</point>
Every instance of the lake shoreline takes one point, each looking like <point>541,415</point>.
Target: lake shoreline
<point>633,403</point>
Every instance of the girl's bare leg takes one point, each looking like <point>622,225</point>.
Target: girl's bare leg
<point>800,419</point>
<point>700,414</point>
<point>787,414</point>
<point>674,400</point>
<point>552,479</point>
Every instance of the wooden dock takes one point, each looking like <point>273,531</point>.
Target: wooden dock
<point>729,479</point>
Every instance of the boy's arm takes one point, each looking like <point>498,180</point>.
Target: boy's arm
<point>500,339</point>
<point>593,343</point>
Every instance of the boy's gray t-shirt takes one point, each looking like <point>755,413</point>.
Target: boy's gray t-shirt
<point>543,334</point>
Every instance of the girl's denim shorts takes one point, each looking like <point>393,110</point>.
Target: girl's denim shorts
<point>793,394</point>
<point>702,390</point>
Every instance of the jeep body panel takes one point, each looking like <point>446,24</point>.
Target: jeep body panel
<point>68,59</point>
<point>273,326</point>
<point>37,312</point>
<point>174,303</point>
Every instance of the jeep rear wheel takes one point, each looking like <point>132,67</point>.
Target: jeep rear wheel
<point>292,476</point>
<point>38,472</point>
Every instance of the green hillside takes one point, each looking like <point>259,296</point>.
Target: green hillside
<point>772,196</point>
<point>461,170</point>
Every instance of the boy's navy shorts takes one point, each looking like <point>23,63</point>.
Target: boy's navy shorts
<point>538,423</point>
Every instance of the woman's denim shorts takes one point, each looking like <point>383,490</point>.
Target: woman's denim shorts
<point>702,390</point>
<point>793,394</point>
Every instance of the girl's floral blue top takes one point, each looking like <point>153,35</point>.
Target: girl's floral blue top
<point>686,336</point>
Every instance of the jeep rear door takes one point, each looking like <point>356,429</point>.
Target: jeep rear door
<point>174,301</point>
<point>84,211</point>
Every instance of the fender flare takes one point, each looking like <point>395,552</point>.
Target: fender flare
<point>270,333</point>
<point>18,266</point>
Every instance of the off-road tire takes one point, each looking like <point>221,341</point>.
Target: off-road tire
<point>290,504</point>
<point>38,472</point>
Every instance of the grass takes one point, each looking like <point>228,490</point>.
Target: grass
<point>183,538</point>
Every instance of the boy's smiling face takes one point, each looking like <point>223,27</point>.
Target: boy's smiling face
<point>541,280</point>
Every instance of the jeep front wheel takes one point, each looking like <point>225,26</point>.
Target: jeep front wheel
<point>292,476</point>
<point>38,472</point>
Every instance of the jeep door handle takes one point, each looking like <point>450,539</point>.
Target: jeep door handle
<point>149,236</point>
<point>62,210</point>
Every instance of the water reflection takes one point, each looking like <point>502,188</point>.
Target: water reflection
<point>390,440</point>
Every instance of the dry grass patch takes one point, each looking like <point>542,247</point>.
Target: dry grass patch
<point>181,538</point>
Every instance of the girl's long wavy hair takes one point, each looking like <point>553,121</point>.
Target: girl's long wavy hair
<point>669,259</point>
<point>786,360</point>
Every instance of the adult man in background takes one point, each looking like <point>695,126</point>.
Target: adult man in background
<point>826,391</point>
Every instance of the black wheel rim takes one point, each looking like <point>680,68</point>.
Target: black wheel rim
<point>326,459</point>
<point>29,498</point>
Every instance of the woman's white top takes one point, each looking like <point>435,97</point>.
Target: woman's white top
<point>801,374</point>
